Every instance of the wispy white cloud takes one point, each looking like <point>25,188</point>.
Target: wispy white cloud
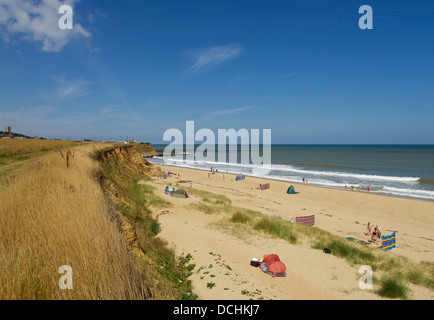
<point>38,21</point>
<point>212,57</point>
<point>65,89</point>
<point>72,90</point>
<point>229,111</point>
<point>285,76</point>
<point>96,13</point>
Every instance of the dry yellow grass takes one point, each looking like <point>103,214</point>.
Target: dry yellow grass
<point>51,216</point>
<point>16,153</point>
<point>11,147</point>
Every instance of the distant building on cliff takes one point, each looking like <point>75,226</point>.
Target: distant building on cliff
<point>7,133</point>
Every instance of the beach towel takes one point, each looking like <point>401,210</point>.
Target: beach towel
<point>265,186</point>
<point>307,220</point>
<point>388,242</point>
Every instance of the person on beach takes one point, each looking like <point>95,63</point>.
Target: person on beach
<point>368,229</point>
<point>376,234</point>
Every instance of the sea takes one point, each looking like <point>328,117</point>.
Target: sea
<point>394,170</point>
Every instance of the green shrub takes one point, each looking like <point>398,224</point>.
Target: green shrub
<point>393,288</point>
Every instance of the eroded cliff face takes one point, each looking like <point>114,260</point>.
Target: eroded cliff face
<point>146,150</point>
<point>122,161</point>
<point>124,173</point>
<point>129,156</point>
<point>132,158</point>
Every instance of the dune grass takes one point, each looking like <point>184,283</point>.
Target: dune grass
<point>275,227</point>
<point>145,193</point>
<point>422,274</point>
<point>393,288</point>
<point>240,217</point>
<point>210,203</point>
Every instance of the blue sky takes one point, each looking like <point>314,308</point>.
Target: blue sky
<point>303,69</point>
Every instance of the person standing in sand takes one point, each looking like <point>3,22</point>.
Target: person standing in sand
<point>368,229</point>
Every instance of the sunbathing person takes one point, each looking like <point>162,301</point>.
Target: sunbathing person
<point>376,234</point>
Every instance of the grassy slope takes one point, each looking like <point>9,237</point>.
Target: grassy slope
<point>53,215</point>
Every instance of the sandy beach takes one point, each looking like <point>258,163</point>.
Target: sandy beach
<point>222,259</point>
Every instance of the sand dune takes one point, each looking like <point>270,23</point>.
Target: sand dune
<point>222,259</point>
